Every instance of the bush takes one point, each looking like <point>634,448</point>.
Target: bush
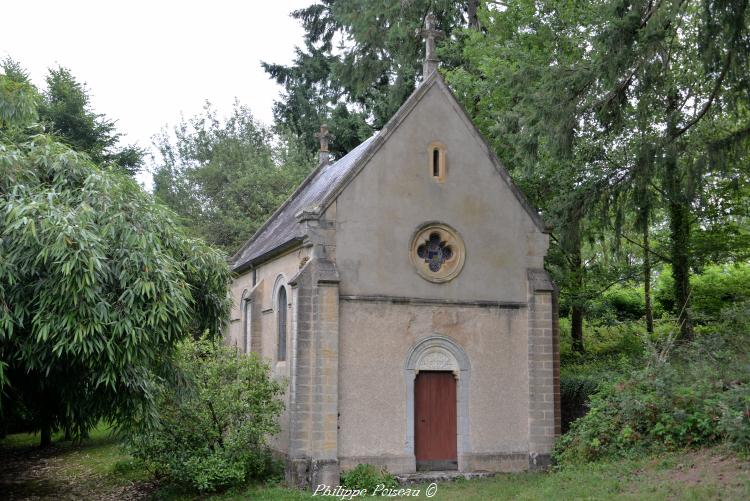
<point>712,289</point>
<point>618,304</point>
<point>611,352</point>
<point>367,476</point>
<point>213,421</point>
<point>690,395</point>
<point>575,394</point>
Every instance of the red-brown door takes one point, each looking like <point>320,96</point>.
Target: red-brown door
<point>435,420</point>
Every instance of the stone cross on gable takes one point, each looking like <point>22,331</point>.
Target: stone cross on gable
<point>430,33</point>
<point>324,136</point>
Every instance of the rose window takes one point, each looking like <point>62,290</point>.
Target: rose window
<point>437,252</point>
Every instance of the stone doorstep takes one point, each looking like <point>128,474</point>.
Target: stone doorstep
<point>426,477</point>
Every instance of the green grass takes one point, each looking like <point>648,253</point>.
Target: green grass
<point>711,474</point>
<point>99,468</point>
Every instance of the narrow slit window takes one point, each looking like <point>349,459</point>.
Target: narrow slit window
<point>436,161</point>
<point>281,307</point>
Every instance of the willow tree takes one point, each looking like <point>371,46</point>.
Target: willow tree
<point>97,282</point>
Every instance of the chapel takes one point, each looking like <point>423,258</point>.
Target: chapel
<point>400,292</point>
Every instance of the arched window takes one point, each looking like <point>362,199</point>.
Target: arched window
<point>436,156</point>
<point>248,323</point>
<point>281,307</point>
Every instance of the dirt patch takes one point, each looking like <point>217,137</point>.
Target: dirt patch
<point>32,473</point>
<point>707,466</point>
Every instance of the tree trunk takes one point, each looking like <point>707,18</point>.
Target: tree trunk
<point>576,320</point>
<point>647,280</point>
<point>679,224</point>
<point>46,435</point>
<point>576,328</point>
<point>471,12</point>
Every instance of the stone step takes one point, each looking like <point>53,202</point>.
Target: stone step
<point>428,477</point>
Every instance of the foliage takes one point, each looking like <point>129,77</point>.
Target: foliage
<point>18,98</point>
<point>214,421</point>
<point>619,304</point>
<point>97,285</point>
<point>710,291</point>
<point>618,117</point>
<point>225,178</point>
<point>64,109</point>
<point>367,476</point>
<point>614,351</point>
<point>693,394</point>
<point>359,63</point>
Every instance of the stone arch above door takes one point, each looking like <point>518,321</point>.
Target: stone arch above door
<point>439,353</point>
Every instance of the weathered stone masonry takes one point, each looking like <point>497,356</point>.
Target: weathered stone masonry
<point>544,359</point>
<point>313,451</point>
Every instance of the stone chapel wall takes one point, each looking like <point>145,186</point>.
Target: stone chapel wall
<point>373,405</point>
<point>268,277</point>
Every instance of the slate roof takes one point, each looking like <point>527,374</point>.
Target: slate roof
<point>282,227</point>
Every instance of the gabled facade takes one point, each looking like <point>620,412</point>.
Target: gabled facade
<point>401,292</point>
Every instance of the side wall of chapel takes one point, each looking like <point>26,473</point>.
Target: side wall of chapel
<point>261,298</point>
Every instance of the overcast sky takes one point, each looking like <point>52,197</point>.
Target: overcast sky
<point>144,62</point>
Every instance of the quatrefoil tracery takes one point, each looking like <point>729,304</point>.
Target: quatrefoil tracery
<point>435,252</point>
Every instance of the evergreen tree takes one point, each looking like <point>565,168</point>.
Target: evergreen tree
<point>609,111</point>
<point>360,61</point>
<point>64,109</point>
<point>681,68</point>
<point>66,112</point>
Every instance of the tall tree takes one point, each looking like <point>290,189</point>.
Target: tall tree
<point>642,97</point>
<point>360,61</point>
<point>681,66</point>
<point>516,82</point>
<point>226,177</point>
<point>64,109</point>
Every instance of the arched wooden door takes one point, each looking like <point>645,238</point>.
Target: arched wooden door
<point>435,421</point>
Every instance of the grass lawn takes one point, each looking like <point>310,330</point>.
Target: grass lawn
<point>98,469</point>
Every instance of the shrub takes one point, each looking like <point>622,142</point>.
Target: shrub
<point>367,476</point>
<point>575,394</point>
<point>711,290</point>
<point>618,304</point>
<point>213,421</point>
<point>693,394</point>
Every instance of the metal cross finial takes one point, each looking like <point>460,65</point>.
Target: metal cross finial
<point>325,137</point>
<point>430,33</point>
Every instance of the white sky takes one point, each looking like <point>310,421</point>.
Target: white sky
<point>145,62</point>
